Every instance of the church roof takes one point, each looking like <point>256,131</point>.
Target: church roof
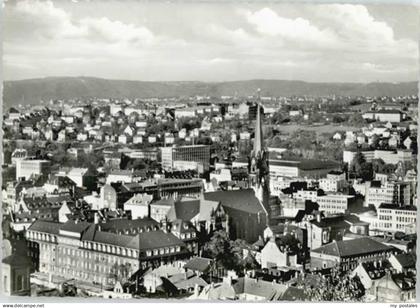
<point>242,199</point>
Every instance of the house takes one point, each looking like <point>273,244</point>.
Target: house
<point>396,288</point>
<point>82,136</point>
<point>138,139</point>
<point>82,177</point>
<point>253,289</point>
<point>159,209</point>
<point>323,230</point>
<point>369,273</point>
<point>59,184</point>
<point>199,265</point>
<point>15,271</point>
<point>403,262</point>
<point>62,136</point>
<point>117,292</point>
<point>281,252</point>
<point>124,138</point>
<point>185,231</point>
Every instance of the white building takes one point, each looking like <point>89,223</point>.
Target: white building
<point>392,218</point>
<point>221,175</point>
<point>334,182</point>
<point>138,205</point>
<point>376,195</point>
<point>28,167</point>
<point>333,204</point>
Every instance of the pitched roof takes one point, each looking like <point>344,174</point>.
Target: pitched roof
<point>333,222</point>
<point>182,226</point>
<point>45,226</point>
<point>294,294</point>
<point>207,207</point>
<point>158,239</point>
<point>16,260</point>
<point>121,240</point>
<point>243,199</point>
<point>354,247</point>
<point>270,291</point>
<point>75,226</point>
<point>406,260</point>
<point>185,210</point>
<point>123,224</point>
<point>199,264</point>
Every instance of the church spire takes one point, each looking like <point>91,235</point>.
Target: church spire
<point>258,139</point>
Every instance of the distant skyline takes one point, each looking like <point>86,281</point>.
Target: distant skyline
<point>211,42</point>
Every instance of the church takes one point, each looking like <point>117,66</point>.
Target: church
<point>249,210</point>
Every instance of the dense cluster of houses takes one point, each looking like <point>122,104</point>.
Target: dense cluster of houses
<point>123,233</point>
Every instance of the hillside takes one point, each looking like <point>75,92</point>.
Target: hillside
<point>31,91</point>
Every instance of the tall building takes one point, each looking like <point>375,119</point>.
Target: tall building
<point>180,157</point>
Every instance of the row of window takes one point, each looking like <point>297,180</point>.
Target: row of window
<point>187,235</point>
<point>385,217</point>
<point>406,219</point>
<point>131,253</point>
<point>41,236</point>
<point>163,251</point>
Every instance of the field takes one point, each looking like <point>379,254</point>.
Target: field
<point>326,128</point>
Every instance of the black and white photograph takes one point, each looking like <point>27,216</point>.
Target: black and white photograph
<point>209,151</point>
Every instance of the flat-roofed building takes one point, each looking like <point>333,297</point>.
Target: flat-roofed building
<point>334,204</point>
<point>28,167</point>
<point>173,157</point>
<point>304,168</point>
<point>393,218</point>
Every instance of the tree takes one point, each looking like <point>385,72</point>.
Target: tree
<point>120,272</point>
<point>337,286</point>
<point>357,162</point>
<point>218,247</point>
<point>240,261</point>
<point>356,119</point>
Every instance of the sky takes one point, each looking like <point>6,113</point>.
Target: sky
<point>203,41</point>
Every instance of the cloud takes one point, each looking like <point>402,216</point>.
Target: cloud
<point>268,22</point>
<point>211,42</point>
<point>50,22</point>
<point>115,31</point>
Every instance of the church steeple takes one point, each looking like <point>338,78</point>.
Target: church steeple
<point>258,139</point>
<point>258,171</point>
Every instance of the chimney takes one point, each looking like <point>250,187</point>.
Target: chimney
<point>196,290</point>
<point>318,217</point>
<point>96,218</point>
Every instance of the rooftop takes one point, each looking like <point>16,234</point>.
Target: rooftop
<point>354,247</point>
<point>243,199</point>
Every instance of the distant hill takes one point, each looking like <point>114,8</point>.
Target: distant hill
<point>31,91</point>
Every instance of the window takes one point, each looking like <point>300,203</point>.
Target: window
<point>5,286</point>
<point>20,282</point>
